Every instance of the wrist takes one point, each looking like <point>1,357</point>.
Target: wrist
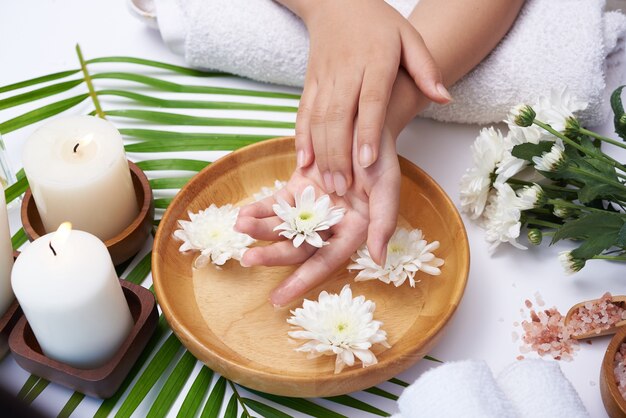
<point>406,102</point>
<point>304,9</point>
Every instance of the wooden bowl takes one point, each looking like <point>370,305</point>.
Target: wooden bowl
<point>124,245</point>
<point>105,380</point>
<point>224,318</point>
<point>614,403</point>
<point>617,300</point>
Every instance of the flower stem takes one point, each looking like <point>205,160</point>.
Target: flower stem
<point>609,257</point>
<point>597,177</point>
<point>601,137</point>
<point>543,186</point>
<point>540,222</point>
<point>88,81</point>
<point>579,147</point>
<point>565,203</point>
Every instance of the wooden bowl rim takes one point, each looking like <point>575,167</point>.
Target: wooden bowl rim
<point>607,367</point>
<point>144,210</point>
<point>188,337</point>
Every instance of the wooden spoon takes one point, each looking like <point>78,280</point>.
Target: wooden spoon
<point>617,300</point>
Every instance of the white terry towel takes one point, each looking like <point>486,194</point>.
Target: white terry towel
<point>525,389</point>
<point>538,389</point>
<point>553,43</point>
<point>455,389</point>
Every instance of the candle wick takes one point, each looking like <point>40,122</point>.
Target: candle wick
<point>52,248</point>
<point>76,147</point>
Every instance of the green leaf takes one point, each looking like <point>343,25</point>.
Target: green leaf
<point>231,408</point>
<point>594,245</point>
<point>36,391</point>
<point>431,358</point>
<point>618,112</point>
<point>187,145</point>
<point>33,95</point>
<point>158,64</point>
<point>216,398</point>
<point>37,80</point>
<point>173,385</point>
<point>589,225</point>
<point>265,410</point>
<point>107,405</point>
<point>181,88</point>
<point>399,382</point>
<point>172,164</point>
<point>163,202</point>
<point>621,237</point>
<point>194,104</point>
<point>193,399</point>
<point>301,405</point>
<point>167,118</point>
<point>71,405</point>
<point>150,376</point>
<point>19,239</point>
<point>40,114</point>
<point>528,150</point>
<point>16,190</point>
<point>141,270</point>
<point>357,404</point>
<point>382,393</point>
<point>169,183</point>
<point>156,135</point>
<point>28,386</point>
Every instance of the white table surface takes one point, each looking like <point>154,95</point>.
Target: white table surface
<point>38,37</point>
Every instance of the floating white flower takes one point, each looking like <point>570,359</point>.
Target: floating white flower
<point>487,152</point>
<point>309,216</point>
<point>552,160</point>
<point>407,253</point>
<point>338,325</point>
<point>211,232</point>
<point>269,191</point>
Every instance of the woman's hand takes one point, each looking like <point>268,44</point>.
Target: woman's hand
<point>371,205</point>
<point>356,48</point>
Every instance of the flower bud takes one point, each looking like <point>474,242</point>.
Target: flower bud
<point>525,116</point>
<point>572,127</point>
<point>563,211</point>
<point>570,263</point>
<point>535,236</point>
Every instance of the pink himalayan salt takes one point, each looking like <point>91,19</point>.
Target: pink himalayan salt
<point>539,299</point>
<point>596,316</point>
<point>547,334</point>
<point>620,369</point>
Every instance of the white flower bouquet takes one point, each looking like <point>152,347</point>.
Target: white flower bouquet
<point>551,176</point>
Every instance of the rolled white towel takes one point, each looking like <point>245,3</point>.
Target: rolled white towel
<point>553,43</point>
<point>455,389</point>
<point>538,389</point>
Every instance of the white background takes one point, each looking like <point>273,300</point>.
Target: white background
<point>38,37</point>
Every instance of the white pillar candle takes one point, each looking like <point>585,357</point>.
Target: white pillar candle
<point>6,258</point>
<point>78,172</point>
<point>73,300</point>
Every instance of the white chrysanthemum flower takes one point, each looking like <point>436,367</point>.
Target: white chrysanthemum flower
<point>551,160</point>
<point>407,253</point>
<point>309,216</point>
<point>269,191</point>
<point>502,217</point>
<point>530,197</point>
<point>211,232</point>
<point>487,151</point>
<point>338,325</point>
<point>556,108</point>
<point>570,264</point>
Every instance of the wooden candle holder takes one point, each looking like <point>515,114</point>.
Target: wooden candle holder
<point>9,318</point>
<point>101,382</point>
<point>612,399</point>
<point>124,245</point>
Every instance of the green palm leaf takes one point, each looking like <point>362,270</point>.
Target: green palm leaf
<point>38,94</point>
<point>19,239</point>
<point>173,386</point>
<point>231,408</point>
<point>16,190</point>
<point>169,183</point>
<point>193,400</point>
<point>42,113</point>
<point>172,164</point>
<point>216,399</point>
<point>71,405</point>
<point>37,80</point>
<point>264,410</point>
<point>158,64</point>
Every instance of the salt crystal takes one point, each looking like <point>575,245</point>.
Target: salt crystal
<point>520,357</point>
<point>514,336</point>
<point>528,304</point>
<point>619,369</point>
<point>596,316</point>
<point>539,299</point>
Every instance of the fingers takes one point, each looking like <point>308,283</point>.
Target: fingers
<point>304,144</point>
<point>420,64</point>
<point>317,268</point>
<point>259,229</point>
<point>339,133</point>
<point>384,201</point>
<point>318,133</point>
<point>281,253</point>
<point>260,209</point>
<point>377,86</point>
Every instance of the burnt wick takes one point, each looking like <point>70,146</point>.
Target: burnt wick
<point>52,248</point>
<point>76,147</point>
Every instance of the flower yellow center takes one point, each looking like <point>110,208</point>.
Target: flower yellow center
<point>305,216</point>
<point>342,326</point>
<point>396,248</point>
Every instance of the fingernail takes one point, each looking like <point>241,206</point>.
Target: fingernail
<point>444,91</point>
<point>366,156</point>
<point>300,158</point>
<point>328,182</point>
<point>340,184</point>
<point>243,258</point>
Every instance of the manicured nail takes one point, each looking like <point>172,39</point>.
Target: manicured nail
<point>328,182</point>
<point>366,156</point>
<point>444,91</point>
<point>340,184</point>
<point>301,158</point>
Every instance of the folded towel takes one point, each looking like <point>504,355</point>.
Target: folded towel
<point>538,389</point>
<point>553,43</point>
<point>525,389</point>
<point>455,389</point>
